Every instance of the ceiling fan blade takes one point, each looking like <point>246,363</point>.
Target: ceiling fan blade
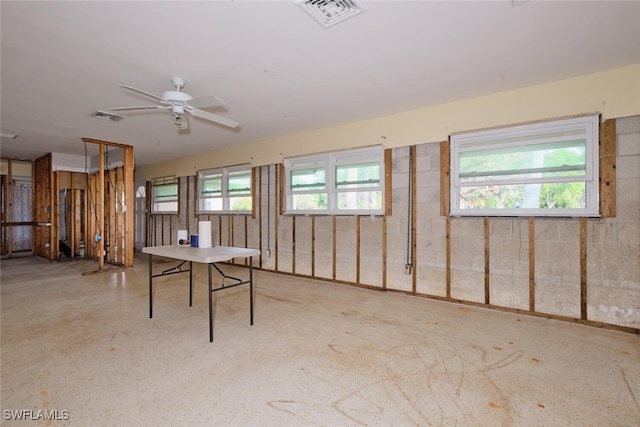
<point>144,93</point>
<point>142,107</point>
<point>209,101</point>
<point>214,118</point>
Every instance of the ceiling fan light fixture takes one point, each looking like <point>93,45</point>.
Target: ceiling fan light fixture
<point>328,13</point>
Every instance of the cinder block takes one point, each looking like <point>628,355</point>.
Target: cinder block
<point>559,297</point>
<point>431,281</point>
<point>507,292</point>
<point>626,125</point>
<point>628,167</point>
<point>371,272</point>
<point>628,144</point>
<point>467,285</point>
<point>614,306</point>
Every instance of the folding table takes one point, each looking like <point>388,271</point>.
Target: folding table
<point>209,256</point>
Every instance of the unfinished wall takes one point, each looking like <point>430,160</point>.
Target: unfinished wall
<point>613,244</point>
<point>530,265</point>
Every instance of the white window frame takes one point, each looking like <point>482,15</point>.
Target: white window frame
<point>329,162</point>
<point>586,127</point>
<point>225,197</point>
<point>166,206</point>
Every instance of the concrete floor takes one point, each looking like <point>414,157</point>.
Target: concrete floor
<point>318,354</point>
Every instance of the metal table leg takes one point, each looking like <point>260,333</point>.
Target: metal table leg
<point>150,287</point>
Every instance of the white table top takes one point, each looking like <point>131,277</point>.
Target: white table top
<point>203,255</point>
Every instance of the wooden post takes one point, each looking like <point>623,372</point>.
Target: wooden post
<point>448,255</point>
<point>100,205</point>
<point>129,197</point>
<point>358,249</point>
<point>532,266</point>
<point>487,275</point>
<point>608,169</point>
<point>445,178</point>
<point>414,212</point>
<point>583,268</point>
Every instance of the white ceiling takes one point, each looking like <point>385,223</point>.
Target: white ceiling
<point>278,71</point>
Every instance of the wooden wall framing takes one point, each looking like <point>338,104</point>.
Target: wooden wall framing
<point>311,247</point>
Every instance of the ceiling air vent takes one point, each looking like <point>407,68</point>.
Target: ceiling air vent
<point>103,115</point>
<point>330,12</point>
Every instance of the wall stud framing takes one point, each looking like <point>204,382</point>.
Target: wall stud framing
<point>583,268</point>
<point>487,275</point>
<point>532,265</point>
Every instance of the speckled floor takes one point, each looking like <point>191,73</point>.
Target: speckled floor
<point>82,349</point>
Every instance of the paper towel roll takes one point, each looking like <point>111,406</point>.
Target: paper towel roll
<point>204,230</point>
<point>182,235</point>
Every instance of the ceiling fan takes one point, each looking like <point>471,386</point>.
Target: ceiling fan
<point>180,103</point>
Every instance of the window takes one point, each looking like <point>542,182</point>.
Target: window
<point>344,182</point>
<point>165,195</point>
<point>541,169</point>
<point>225,190</point>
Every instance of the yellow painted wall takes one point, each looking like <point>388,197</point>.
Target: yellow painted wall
<point>614,93</point>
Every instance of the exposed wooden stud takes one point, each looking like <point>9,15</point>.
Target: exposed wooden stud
<point>100,210</point>
<point>278,196</point>
<point>280,181</point>
<point>333,275</point>
<point>9,201</point>
<point>448,255</point>
<point>43,189</point>
<point>608,169</point>
<point>358,219</point>
<point>445,178</point>
<point>129,197</point>
<point>414,215</point>
<point>259,201</point>
<point>532,265</point>
<point>293,244</point>
<point>54,250</point>
<point>246,236</point>
<point>77,221</point>
<point>110,197</point>
<point>255,195</point>
<point>388,188</point>
<point>487,275</point>
<point>583,268</point>
<point>193,204</point>
<point>313,245</point>
<point>384,252</point>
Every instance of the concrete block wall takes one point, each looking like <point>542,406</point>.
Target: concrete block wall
<point>557,266</point>
<point>267,214</point>
<point>324,247</point>
<point>352,249</point>
<point>613,244</point>
<point>303,246</point>
<point>431,257</point>
<point>467,259</point>
<point>372,251</point>
<point>509,262</point>
<point>398,223</point>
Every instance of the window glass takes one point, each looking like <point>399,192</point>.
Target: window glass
<point>225,190</point>
<point>343,182</point>
<point>165,195</point>
<point>547,169</point>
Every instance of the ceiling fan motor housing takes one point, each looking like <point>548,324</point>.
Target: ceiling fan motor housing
<point>176,96</point>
